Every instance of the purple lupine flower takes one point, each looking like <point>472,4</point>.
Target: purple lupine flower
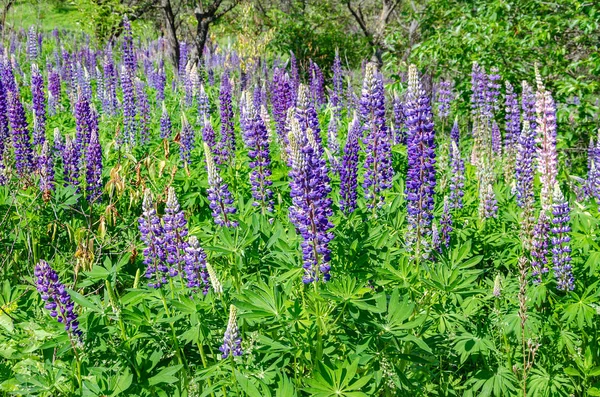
<point>82,124</point>
<point>203,105</point>
<point>58,144</point>
<point>195,266</point>
<point>4,131</point>
<point>561,251</point>
<point>58,301</point>
<point>45,168</point>
<point>187,140</point>
<point>129,108</point>
<point>219,196</point>
<point>316,84</point>
<point>109,106</point>
<point>592,184</point>
<point>227,144</point>
<point>421,178</point>
<point>209,136</point>
<point>183,60</point>
<point>143,110</point>
<point>311,208</point>
<point>349,167</point>
<point>351,98</point>
<point>455,132</point>
<point>282,101</point>
<point>524,168</point>
<point>294,77</point>
<point>159,81</point>
<point>446,223</point>
<point>39,105</point>
<point>528,105</point>
<point>378,161</point>
<point>83,82</point>
<point>256,138</point>
<point>307,116</point>
<point>488,205</point>
<point>175,227</point>
<point>444,98</point>
<point>188,84</point>
<point>546,139</point>
<point>21,138</point>
<point>100,91</point>
<point>496,139</point>
<point>539,248</point>
<point>129,61</point>
<point>153,237</point>
<point>513,121</point>
<point>478,89</point>
<point>93,174</point>
<point>54,90</point>
<point>32,47</point>
<point>492,92</point>
<point>232,343</point>
<point>165,123</point>
<point>399,120</point>
<point>436,243</point>
<point>71,163</point>
<point>457,177</point>
<point>338,85</point>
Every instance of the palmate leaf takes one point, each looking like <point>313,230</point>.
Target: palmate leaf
<point>542,383</point>
<point>329,382</point>
<point>581,308</point>
<point>263,302</point>
<point>500,383</point>
<point>468,344</point>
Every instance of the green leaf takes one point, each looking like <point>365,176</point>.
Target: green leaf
<point>166,375</point>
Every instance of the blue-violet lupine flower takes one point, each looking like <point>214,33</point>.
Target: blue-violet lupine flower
<point>496,139</point>
<point>46,170</point>
<point>457,177</point>
<point>444,98</point>
<point>561,251</point>
<point>175,227</point>
<point>547,156</point>
<point>39,105</point>
<point>93,174</point>
<point>378,161</point>
<point>539,248</point>
<point>528,105</point>
<point>524,168</point>
<point>219,196</point>
<point>58,301</point>
<point>232,343</point>
<point>165,123</point>
<point>349,167</point>
<point>399,120</point>
<point>187,141</point>
<point>195,266</point>
<point>152,234</point>
<point>227,144</point>
<point>20,135</point>
<point>446,223</point>
<point>129,108</point>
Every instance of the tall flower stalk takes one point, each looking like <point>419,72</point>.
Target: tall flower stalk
<point>219,196</point>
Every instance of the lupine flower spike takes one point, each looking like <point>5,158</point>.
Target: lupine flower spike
<point>561,251</point>
<point>232,342</point>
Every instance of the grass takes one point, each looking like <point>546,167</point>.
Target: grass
<point>46,15</point>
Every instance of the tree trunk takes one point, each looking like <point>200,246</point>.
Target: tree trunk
<point>171,31</point>
<point>201,35</point>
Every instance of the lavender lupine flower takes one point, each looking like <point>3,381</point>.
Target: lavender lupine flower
<point>446,223</point>
<point>209,136</point>
<point>436,243</point>
<point>58,144</point>
<point>221,202</point>
<point>188,85</point>
<point>457,177</point>
<point>307,115</point>
<point>349,167</point>
<point>444,98</point>
<point>93,174</point>
<point>524,168</point>
<point>153,238</point>
<point>175,227</point>
<point>84,84</point>
<point>338,86</point>
<point>539,248</point>
<point>143,110</point>
<point>294,76</point>
<point>187,141</point>
<point>58,301</point>
<point>282,101</point>
<point>165,123</point>
<point>496,139</point>
<point>478,89</point>
<point>561,251</point>
<point>83,128</point>
<point>195,266</point>
<point>129,108</point>
<point>399,120</point>
<point>316,84</point>
<point>39,105</point>
<point>4,131</point>
<point>20,135</point>
<point>45,168</point>
<point>488,205</point>
<point>54,90</point>
<point>311,208</point>
<point>546,139</point>
<point>232,343</point>
<point>378,161</point>
<point>528,105</point>
<point>32,47</point>
<point>203,104</point>
<point>593,178</point>
<point>109,106</point>
<point>513,121</point>
<point>256,138</point>
<point>71,163</point>
<point>129,61</point>
<point>227,144</point>
<point>455,132</point>
<point>421,178</point>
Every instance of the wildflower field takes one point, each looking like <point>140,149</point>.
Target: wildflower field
<point>250,226</point>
